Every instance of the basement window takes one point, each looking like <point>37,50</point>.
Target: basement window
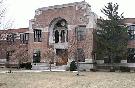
<point>131,55</point>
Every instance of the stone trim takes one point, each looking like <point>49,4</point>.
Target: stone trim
<point>61,6</point>
<point>46,29</point>
<point>123,61</point>
<point>100,61</point>
<point>70,27</point>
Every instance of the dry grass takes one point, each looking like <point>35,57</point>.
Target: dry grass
<point>67,80</point>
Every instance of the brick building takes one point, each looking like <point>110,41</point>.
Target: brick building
<point>130,22</point>
<point>13,42</point>
<point>130,61</point>
<point>67,29</point>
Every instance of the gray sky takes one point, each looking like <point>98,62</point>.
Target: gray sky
<point>21,11</point>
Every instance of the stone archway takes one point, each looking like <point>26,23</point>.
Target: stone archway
<point>58,38</point>
<point>58,31</point>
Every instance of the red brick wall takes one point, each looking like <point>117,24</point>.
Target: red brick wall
<point>73,18</point>
<point>70,14</point>
<point>5,46</point>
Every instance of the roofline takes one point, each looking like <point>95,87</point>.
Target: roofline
<point>62,5</point>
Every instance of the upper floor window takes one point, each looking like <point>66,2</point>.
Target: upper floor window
<point>11,38</point>
<point>3,36</point>
<point>81,32</point>
<point>37,35</point>
<point>131,32</point>
<point>24,38</point>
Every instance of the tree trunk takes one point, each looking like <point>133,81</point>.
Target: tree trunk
<point>50,67</point>
<point>112,67</point>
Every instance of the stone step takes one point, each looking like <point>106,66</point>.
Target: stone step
<point>47,67</point>
<point>40,64</point>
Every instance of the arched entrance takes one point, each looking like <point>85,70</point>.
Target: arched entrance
<point>58,38</point>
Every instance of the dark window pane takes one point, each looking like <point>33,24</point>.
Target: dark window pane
<point>37,35</point>
<point>131,32</point>
<point>131,55</point>
<point>81,32</point>
<point>24,38</point>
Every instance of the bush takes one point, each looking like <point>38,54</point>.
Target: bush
<point>73,66</point>
<point>22,65</point>
<point>93,70</point>
<point>117,59</point>
<point>124,69</point>
<point>26,65</point>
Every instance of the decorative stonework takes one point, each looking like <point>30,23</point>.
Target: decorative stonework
<point>45,29</point>
<point>78,4</point>
<point>38,12</point>
<point>71,27</point>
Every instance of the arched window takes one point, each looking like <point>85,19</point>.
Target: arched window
<point>58,31</point>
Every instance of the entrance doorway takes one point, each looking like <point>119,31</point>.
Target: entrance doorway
<point>36,56</point>
<point>63,56</point>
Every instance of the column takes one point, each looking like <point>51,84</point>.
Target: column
<point>59,36</point>
<point>65,35</point>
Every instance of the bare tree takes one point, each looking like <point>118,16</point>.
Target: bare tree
<point>5,23</point>
<point>4,51</point>
<point>50,57</point>
<point>21,55</point>
<point>80,45</point>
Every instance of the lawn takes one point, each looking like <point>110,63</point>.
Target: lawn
<point>67,80</point>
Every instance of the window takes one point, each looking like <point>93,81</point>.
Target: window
<point>24,38</point>
<point>81,55</point>
<point>37,35</point>
<point>36,56</point>
<point>131,55</point>
<point>131,32</point>
<point>8,54</point>
<point>11,38</point>
<point>80,32</point>
<point>3,36</point>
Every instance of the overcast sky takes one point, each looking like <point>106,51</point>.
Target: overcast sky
<point>21,11</point>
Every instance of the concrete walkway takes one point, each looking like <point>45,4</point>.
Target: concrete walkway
<point>36,71</point>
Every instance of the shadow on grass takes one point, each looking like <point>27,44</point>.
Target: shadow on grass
<point>2,84</point>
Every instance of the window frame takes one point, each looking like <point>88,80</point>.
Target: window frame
<point>24,38</point>
<point>37,35</point>
<point>80,32</point>
<point>131,32</point>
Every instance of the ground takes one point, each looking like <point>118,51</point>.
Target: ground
<point>67,80</point>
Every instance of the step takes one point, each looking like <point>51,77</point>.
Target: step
<point>46,67</point>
